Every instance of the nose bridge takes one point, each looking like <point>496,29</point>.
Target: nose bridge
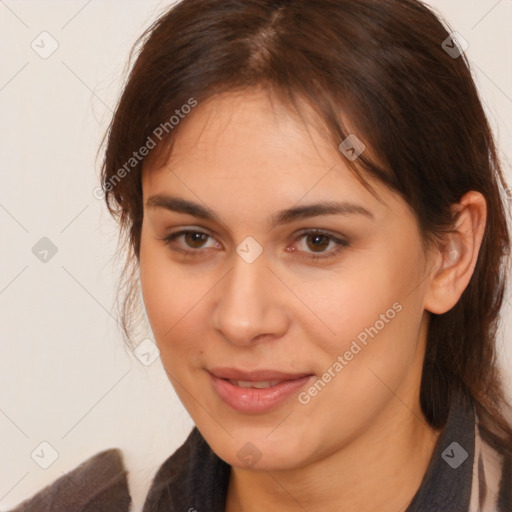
<point>246,307</point>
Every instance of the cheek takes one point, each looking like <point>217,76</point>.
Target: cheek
<point>373,351</point>
<point>163,289</point>
<point>366,292</point>
<point>174,302</point>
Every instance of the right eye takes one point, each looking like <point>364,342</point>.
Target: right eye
<point>193,238</point>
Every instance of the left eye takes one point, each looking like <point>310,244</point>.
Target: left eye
<point>318,240</point>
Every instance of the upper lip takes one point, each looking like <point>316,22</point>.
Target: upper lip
<point>254,375</point>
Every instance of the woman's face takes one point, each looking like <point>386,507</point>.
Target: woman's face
<point>249,294</point>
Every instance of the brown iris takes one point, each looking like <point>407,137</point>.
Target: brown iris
<point>317,237</point>
<point>192,238</point>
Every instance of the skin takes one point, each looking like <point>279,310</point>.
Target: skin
<point>362,443</point>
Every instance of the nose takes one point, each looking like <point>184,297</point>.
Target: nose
<point>249,309</point>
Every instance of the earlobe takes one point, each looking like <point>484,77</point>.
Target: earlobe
<point>457,255</point>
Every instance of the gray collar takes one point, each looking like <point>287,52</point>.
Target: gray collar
<point>447,481</point>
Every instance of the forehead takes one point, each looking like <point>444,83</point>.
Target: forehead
<point>250,145</point>
<point>241,126</point>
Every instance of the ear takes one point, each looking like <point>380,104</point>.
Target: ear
<point>456,257</point>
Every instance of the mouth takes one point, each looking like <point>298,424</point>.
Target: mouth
<point>257,385</point>
<point>256,391</point>
<point>262,375</point>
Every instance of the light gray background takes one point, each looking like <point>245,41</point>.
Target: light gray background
<point>65,376</point>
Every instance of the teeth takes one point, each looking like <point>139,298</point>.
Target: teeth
<point>259,385</point>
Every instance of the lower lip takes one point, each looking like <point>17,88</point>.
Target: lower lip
<point>254,400</point>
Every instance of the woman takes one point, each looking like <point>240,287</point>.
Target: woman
<point>314,208</point>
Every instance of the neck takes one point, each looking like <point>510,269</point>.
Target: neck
<point>381,470</point>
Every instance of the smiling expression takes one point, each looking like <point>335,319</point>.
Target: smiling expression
<point>319,260</point>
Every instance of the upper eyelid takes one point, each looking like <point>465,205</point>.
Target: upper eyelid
<point>302,231</point>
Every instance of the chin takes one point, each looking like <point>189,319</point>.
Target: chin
<point>254,452</point>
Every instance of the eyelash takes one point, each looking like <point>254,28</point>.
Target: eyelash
<point>310,232</point>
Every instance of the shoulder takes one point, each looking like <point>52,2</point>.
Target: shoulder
<point>492,474</point>
<point>98,484</point>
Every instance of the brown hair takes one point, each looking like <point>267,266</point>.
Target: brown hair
<point>384,65</point>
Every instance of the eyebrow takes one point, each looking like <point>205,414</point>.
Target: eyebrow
<point>177,204</point>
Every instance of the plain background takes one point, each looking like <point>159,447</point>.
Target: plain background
<point>65,377</point>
